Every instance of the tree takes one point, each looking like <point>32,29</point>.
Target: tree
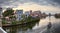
<point>8,12</point>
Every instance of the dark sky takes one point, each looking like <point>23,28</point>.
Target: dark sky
<point>16,3</point>
<point>10,2</point>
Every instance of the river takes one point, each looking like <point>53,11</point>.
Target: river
<point>38,27</point>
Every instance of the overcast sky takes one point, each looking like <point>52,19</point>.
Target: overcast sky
<point>43,5</point>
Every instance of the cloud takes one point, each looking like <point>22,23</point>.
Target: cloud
<point>38,7</point>
<point>16,3</point>
<point>57,1</point>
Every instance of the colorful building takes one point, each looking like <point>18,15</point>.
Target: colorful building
<point>18,14</point>
<point>36,14</point>
<point>27,13</point>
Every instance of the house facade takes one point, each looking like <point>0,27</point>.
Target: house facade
<point>36,14</point>
<point>18,14</point>
<point>27,13</point>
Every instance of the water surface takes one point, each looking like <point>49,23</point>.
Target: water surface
<point>37,27</point>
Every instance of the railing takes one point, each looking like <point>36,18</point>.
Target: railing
<point>2,31</point>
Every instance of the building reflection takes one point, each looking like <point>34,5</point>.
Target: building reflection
<point>24,27</point>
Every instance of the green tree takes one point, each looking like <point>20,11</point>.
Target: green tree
<point>8,12</point>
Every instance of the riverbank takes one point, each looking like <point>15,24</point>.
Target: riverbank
<point>36,27</point>
<point>16,23</point>
<point>57,15</point>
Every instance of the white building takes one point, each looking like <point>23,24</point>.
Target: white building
<point>27,13</point>
<point>18,14</point>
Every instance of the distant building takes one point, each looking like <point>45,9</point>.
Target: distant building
<point>36,14</point>
<point>27,13</point>
<point>30,11</point>
<point>18,14</point>
<point>44,14</point>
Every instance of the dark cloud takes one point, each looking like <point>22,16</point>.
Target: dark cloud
<point>2,1</point>
<point>15,3</point>
<point>57,1</point>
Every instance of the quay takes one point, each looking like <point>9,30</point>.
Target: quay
<point>1,29</point>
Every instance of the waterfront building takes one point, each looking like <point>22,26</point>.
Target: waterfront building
<point>18,14</point>
<point>27,13</point>
<point>36,14</point>
<point>57,15</point>
<point>44,14</point>
<point>30,11</point>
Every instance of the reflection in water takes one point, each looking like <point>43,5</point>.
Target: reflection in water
<point>20,28</point>
<point>36,27</point>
